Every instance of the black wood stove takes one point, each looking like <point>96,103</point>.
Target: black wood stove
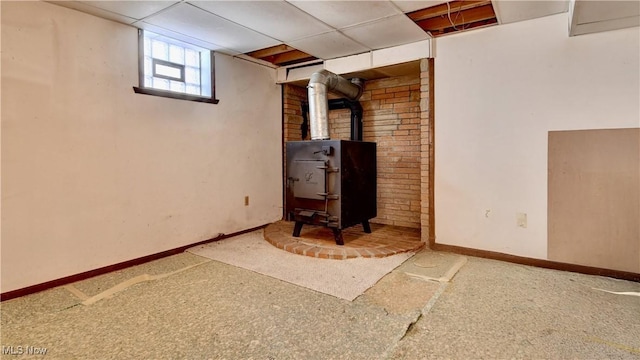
<point>331,182</point>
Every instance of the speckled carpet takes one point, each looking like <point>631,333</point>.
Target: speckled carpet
<point>345,279</point>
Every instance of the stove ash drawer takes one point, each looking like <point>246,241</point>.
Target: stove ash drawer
<point>309,179</point>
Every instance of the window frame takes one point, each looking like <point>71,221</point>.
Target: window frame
<point>154,69</point>
<point>141,89</point>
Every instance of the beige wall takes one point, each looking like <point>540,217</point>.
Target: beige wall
<point>498,93</point>
<point>93,174</point>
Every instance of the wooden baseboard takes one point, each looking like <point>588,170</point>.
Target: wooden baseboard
<point>110,268</point>
<point>547,264</point>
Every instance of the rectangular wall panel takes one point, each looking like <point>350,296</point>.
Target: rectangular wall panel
<point>594,198</point>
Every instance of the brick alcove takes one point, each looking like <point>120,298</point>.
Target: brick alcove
<point>397,116</point>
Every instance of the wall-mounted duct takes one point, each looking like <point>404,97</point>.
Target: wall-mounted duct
<point>320,84</point>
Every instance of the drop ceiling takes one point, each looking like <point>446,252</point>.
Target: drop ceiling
<point>598,16</point>
<point>279,32</point>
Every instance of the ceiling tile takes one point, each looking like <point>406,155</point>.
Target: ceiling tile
<point>513,11</point>
<point>277,19</point>
<point>328,45</point>
<point>133,9</point>
<point>595,11</point>
<point>197,23</point>
<point>186,38</point>
<point>89,9</point>
<point>341,14</point>
<point>409,5</point>
<point>593,17</point>
<point>391,31</point>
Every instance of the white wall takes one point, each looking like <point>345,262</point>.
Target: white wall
<point>93,174</point>
<point>498,91</point>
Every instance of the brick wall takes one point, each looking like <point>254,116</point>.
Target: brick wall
<point>292,97</point>
<point>392,119</point>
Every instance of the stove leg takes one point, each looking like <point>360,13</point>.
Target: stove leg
<point>337,235</point>
<point>366,227</point>
<point>297,228</point>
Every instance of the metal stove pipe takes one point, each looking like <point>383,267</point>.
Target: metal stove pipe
<point>320,84</point>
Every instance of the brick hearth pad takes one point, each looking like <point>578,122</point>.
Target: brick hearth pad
<point>318,241</point>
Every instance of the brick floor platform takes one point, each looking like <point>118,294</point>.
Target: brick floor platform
<point>317,241</point>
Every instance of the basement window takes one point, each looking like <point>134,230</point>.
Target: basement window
<point>175,69</point>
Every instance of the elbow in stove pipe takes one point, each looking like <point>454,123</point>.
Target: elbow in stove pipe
<point>320,84</point>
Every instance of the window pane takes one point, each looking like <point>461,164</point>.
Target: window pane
<point>177,86</point>
<point>170,71</point>
<point>159,50</point>
<point>147,46</point>
<point>192,58</point>
<point>148,81</point>
<point>148,71</point>
<point>176,54</point>
<point>192,89</point>
<point>205,73</point>
<point>162,84</point>
<point>192,75</point>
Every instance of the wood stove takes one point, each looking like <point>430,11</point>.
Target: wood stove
<point>331,183</point>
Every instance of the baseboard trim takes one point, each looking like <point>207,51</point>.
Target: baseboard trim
<point>547,264</point>
<point>119,266</point>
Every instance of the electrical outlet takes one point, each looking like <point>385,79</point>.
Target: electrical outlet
<point>521,220</point>
<point>246,200</point>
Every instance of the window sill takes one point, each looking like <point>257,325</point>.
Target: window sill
<point>174,95</point>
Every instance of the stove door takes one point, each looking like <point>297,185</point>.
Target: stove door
<point>310,176</point>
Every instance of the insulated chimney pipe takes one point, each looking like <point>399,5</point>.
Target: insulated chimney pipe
<point>320,84</point>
